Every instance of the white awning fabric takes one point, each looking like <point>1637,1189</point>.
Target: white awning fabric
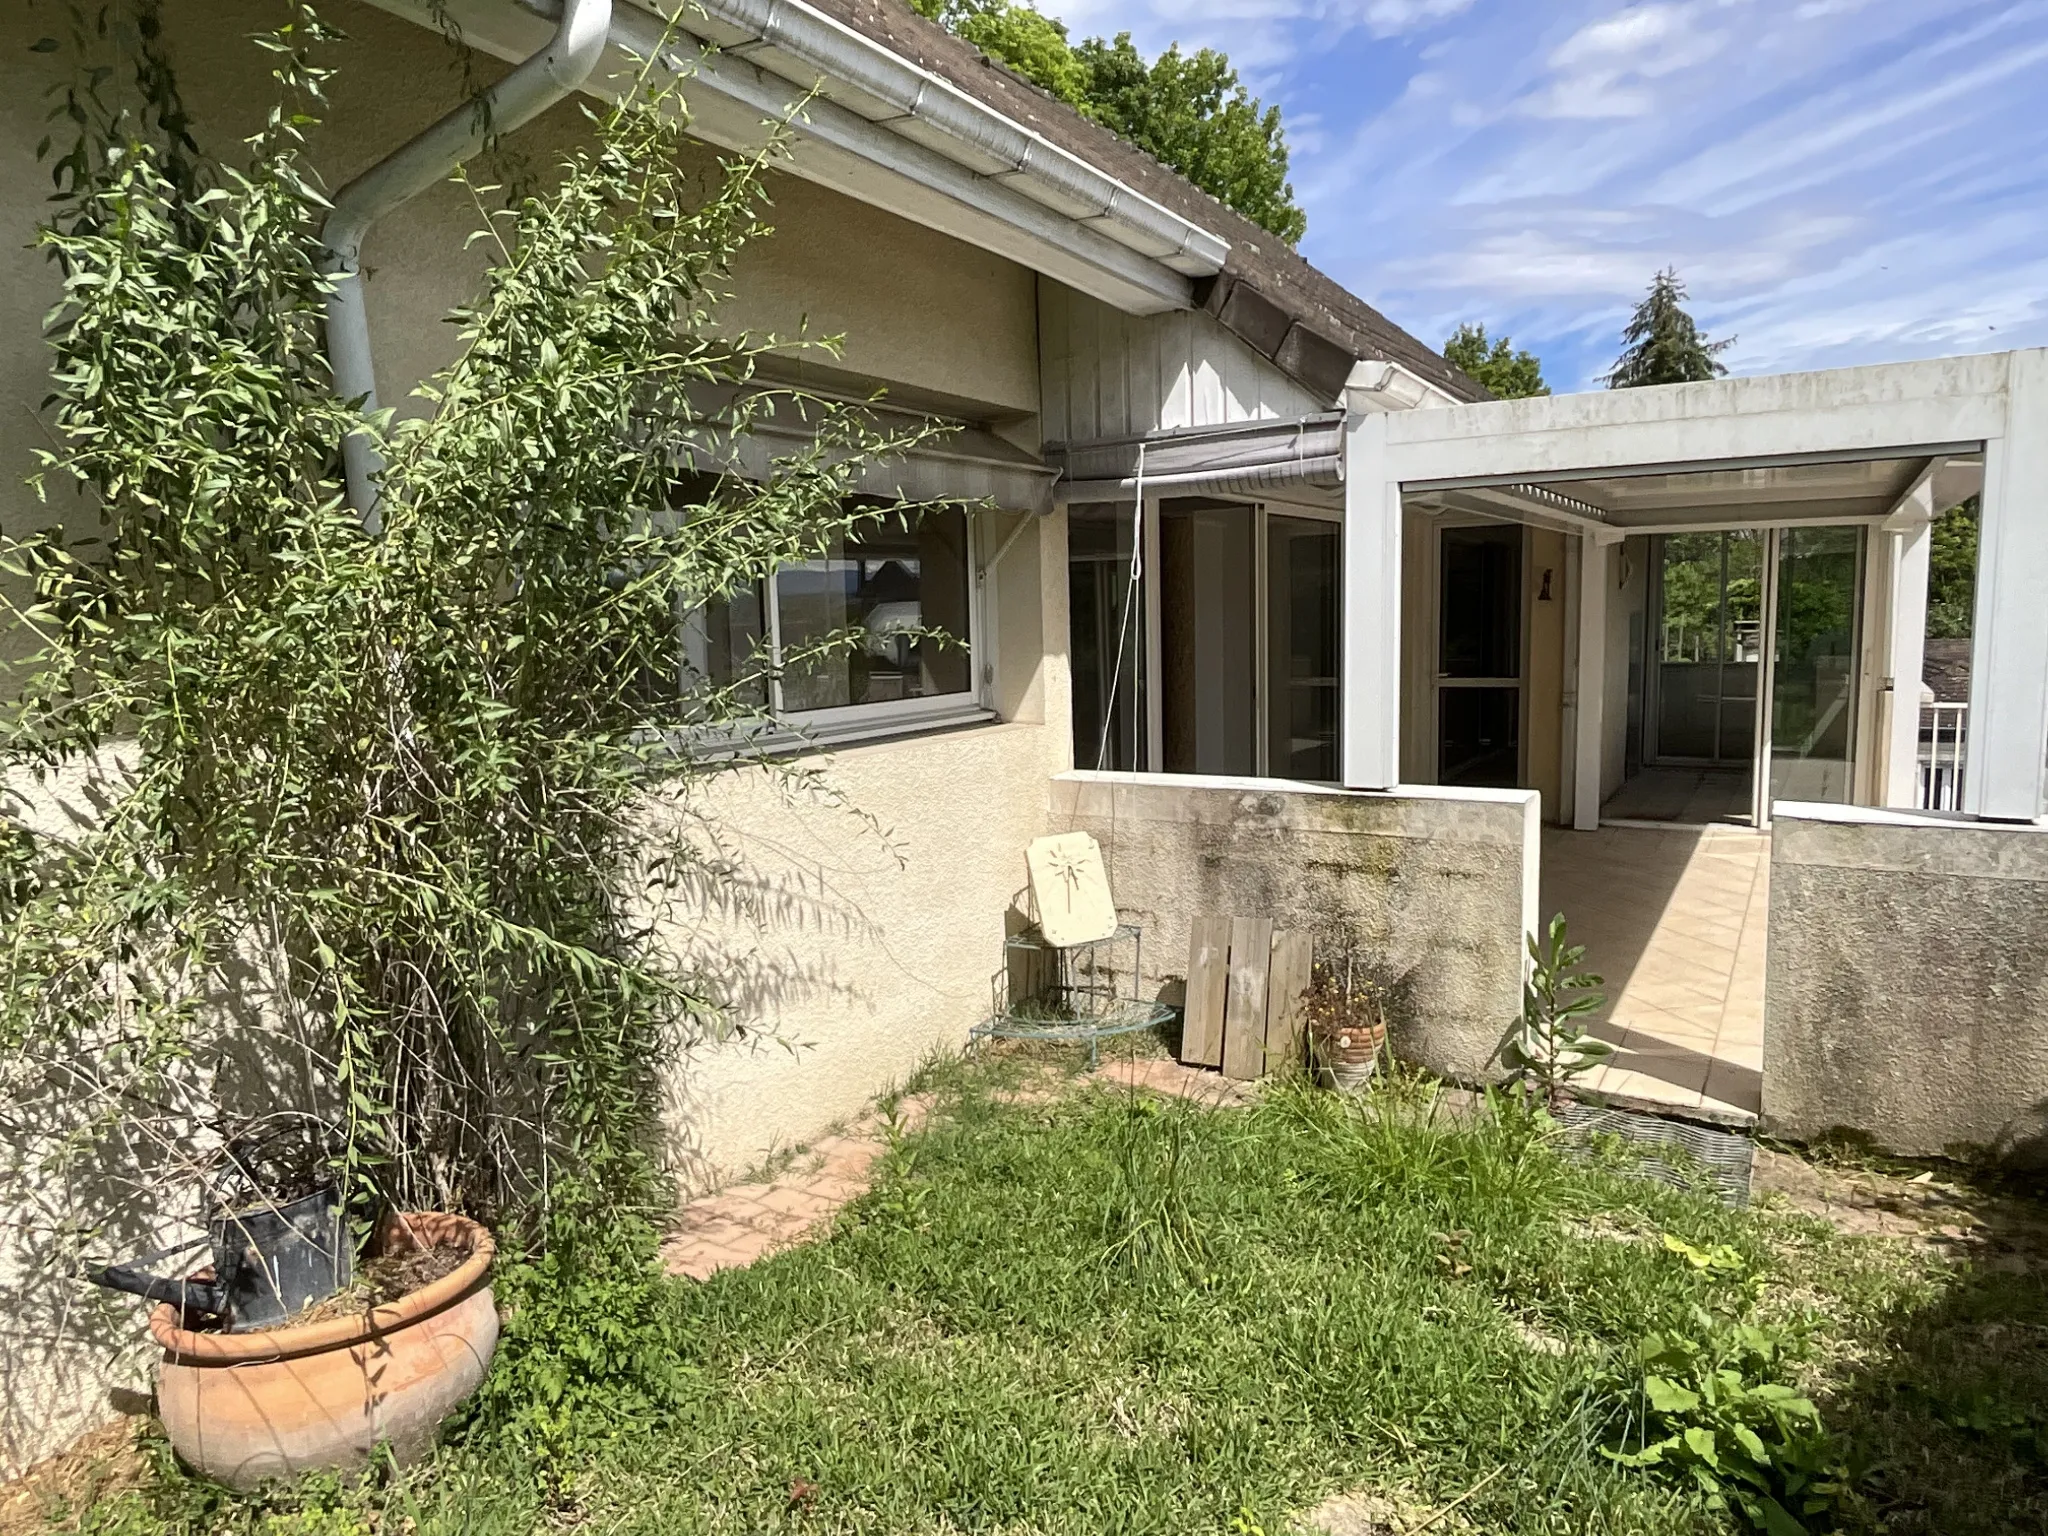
<point>1244,456</point>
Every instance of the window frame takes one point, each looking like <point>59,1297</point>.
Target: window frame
<point>847,724</point>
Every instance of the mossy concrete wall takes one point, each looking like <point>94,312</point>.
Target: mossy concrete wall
<point>1429,890</point>
<point>1906,983</point>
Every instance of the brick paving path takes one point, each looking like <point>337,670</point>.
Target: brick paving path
<point>744,1222</point>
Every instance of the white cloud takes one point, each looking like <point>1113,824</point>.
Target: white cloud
<point>1388,18</point>
<point>1839,181</point>
<point>1610,67</point>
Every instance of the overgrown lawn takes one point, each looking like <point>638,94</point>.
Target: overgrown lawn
<point>1106,1312</point>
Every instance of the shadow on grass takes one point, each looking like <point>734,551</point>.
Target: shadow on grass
<point>1946,1416</point>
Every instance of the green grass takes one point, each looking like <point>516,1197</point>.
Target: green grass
<point>1108,1313</point>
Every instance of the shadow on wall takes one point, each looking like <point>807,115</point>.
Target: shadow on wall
<point>762,923</point>
<point>99,1163</point>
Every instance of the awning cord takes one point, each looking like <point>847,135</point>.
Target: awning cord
<point>1124,627</point>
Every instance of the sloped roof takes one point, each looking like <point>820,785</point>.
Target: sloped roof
<point>1308,325</point>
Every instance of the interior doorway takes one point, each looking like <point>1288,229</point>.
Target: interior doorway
<point>1478,672</point>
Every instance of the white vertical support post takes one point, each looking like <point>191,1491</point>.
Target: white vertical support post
<point>2009,659</point>
<point>1372,607</point>
<point>1908,615</point>
<point>1590,721</point>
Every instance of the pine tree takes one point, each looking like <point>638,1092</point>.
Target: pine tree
<point>1662,345</point>
<point>1506,373</point>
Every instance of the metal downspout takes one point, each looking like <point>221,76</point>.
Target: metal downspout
<point>550,75</point>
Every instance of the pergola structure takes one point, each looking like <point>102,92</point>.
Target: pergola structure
<point>1887,447</point>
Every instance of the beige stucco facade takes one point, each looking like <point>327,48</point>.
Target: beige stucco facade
<point>887,907</point>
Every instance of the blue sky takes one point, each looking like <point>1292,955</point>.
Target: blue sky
<point>1837,181</point>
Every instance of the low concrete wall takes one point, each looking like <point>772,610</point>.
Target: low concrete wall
<point>1906,990</point>
<point>1431,889</point>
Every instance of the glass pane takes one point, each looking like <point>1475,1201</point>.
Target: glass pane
<point>1206,582</point>
<point>1481,578</point>
<point>1301,648</point>
<point>887,581</point>
<point>724,646</point>
<point>1477,737</point>
<point>1813,693</point>
<point>1709,633</point>
<point>1106,712</point>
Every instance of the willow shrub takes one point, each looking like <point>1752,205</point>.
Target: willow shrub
<point>418,802</point>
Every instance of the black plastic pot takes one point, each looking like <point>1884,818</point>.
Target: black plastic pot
<point>269,1262</point>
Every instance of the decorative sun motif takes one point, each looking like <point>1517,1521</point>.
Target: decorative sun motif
<point>1070,866</point>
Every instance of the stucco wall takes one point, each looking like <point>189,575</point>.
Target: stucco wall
<point>1906,989</point>
<point>875,920</point>
<point>918,311</point>
<point>887,914</point>
<point>1431,890</point>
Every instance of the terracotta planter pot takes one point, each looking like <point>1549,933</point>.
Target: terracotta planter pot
<point>242,1407</point>
<point>1346,1058</point>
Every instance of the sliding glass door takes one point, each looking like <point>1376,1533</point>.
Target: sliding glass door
<point>1817,581</point>
<point>1708,647</point>
<point>1303,579</point>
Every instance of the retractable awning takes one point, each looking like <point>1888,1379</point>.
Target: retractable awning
<point>965,463</point>
<point>1245,456</point>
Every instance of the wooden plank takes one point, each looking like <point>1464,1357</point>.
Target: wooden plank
<point>1244,1015</point>
<point>1201,1030</point>
<point>1287,999</point>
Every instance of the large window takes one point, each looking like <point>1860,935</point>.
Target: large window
<point>897,595</point>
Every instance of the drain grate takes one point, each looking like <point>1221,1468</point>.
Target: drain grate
<point>1724,1157</point>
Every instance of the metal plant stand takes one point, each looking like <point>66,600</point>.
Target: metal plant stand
<point>1079,992</point>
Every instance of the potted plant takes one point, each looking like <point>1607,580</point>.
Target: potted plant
<point>1347,1026</point>
<point>383,1362</point>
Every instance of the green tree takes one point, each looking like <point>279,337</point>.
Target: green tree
<point>1188,111</point>
<point>1029,41</point>
<point>1662,344</point>
<point>1952,573</point>
<point>1507,373</point>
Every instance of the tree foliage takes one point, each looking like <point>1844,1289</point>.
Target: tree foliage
<point>436,794</point>
<point>1952,573</point>
<point>1188,111</point>
<point>1508,374</point>
<point>1662,344</point>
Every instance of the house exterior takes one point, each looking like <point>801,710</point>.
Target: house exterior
<point>1257,588</point>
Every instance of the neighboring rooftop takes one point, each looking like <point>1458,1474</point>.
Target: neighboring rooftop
<point>1308,325</point>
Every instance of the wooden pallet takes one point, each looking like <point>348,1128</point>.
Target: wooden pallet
<point>1246,987</point>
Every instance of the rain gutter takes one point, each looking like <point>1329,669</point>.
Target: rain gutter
<point>546,78</point>
<point>916,97</point>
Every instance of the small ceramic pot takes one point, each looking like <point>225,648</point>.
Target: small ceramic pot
<point>243,1407</point>
<point>1346,1058</point>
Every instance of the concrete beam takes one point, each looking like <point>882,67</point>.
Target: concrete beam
<point>1371,721</point>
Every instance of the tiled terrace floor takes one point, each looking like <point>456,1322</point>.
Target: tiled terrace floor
<point>1674,919</point>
